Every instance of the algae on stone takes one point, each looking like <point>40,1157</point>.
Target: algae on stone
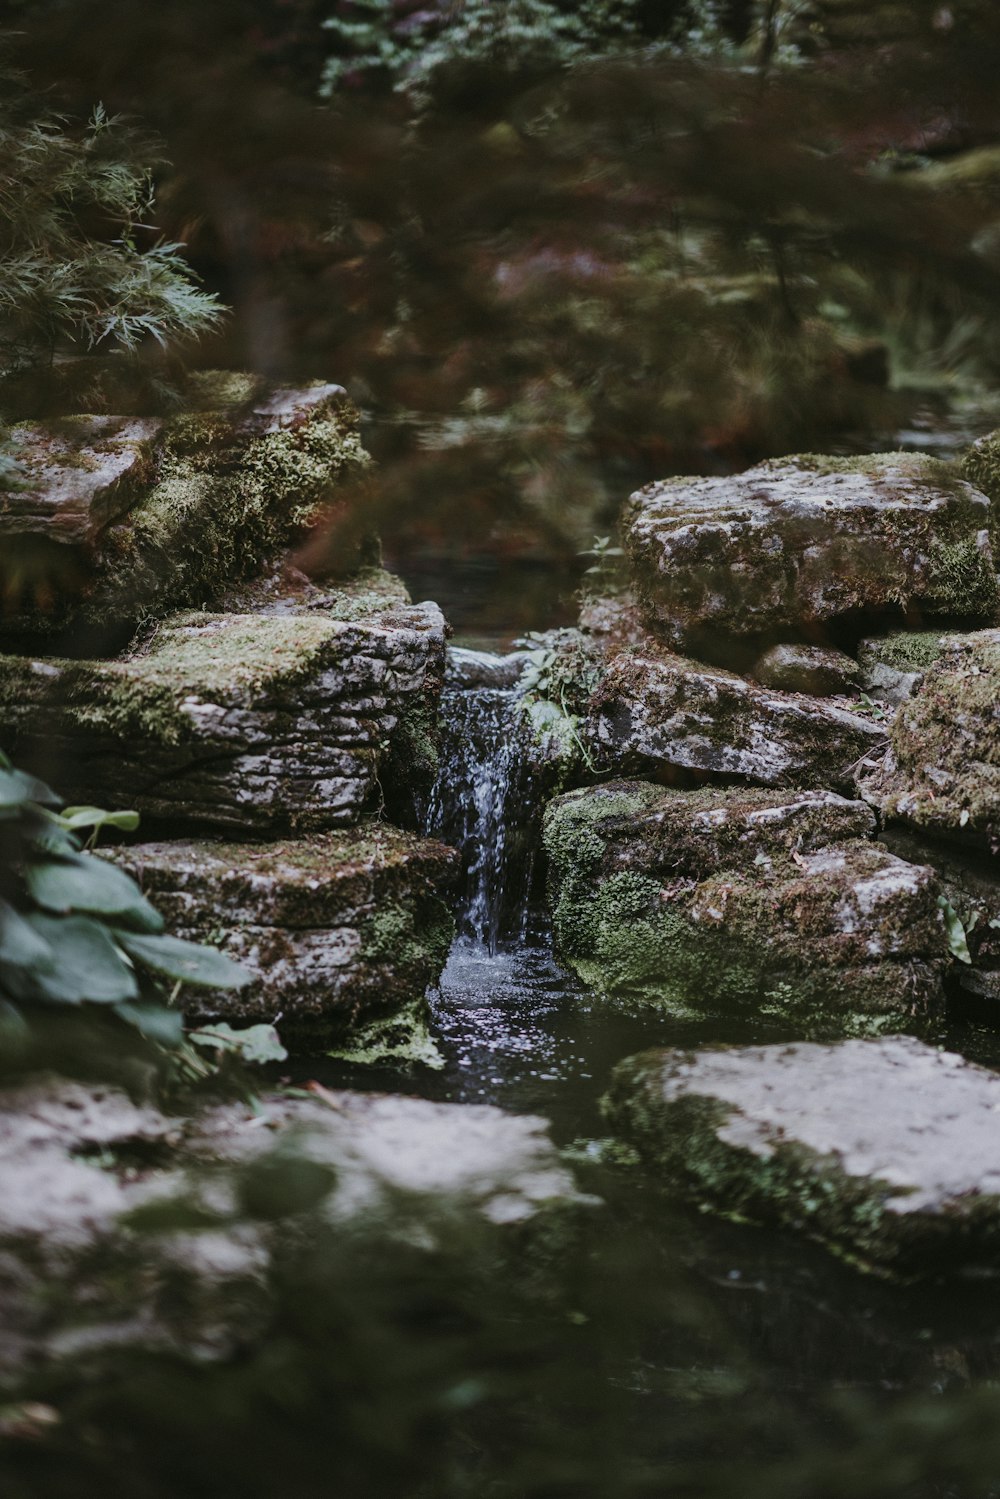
<point>771,902</point>
<point>883,1150</point>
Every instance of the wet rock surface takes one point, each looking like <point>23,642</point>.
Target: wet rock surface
<point>815,669</point>
<point>223,1196</point>
<point>799,541</point>
<point>942,772</point>
<point>657,712</point>
<point>341,930</point>
<point>696,901</point>
<point>885,1150</point>
<point>242,722</point>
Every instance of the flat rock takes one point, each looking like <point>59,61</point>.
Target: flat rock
<point>344,932</point>
<point>801,541</point>
<point>223,1196</point>
<point>815,669</point>
<point>885,1150</point>
<point>942,772</point>
<point>131,518</point>
<point>249,722</point>
<point>778,898</point>
<point>654,712</point>
<point>80,474</point>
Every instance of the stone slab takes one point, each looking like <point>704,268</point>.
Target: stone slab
<point>798,542</point>
<point>888,1151</point>
<point>341,930</point>
<point>764,902</point>
<point>81,473</point>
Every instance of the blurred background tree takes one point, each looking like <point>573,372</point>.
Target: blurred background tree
<point>555,251</point>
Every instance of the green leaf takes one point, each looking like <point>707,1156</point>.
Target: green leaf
<point>83,882</point>
<point>85,963</point>
<point>255,1043</point>
<point>157,1023</point>
<point>17,789</point>
<point>20,944</point>
<point>958,945</point>
<point>191,962</point>
<point>96,817</point>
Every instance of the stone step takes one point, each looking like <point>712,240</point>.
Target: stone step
<point>886,1150</point>
<point>251,723</point>
<point>773,903</point>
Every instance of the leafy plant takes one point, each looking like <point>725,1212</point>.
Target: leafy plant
<point>76,931</point>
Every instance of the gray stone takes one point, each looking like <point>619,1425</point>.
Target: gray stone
<point>798,541</point>
<point>885,1150</point>
<point>344,932</point>
<point>246,722</point>
<point>81,473</point>
<point>815,669</point>
<point>657,712</point>
<point>777,897</point>
<point>472,669</point>
<point>892,666</point>
<point>942,772</point>
<point>75,1160</point>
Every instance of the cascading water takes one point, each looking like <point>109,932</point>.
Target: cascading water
<point>481,803</point>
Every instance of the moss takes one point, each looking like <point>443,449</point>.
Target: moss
<point>905,650</point>
<point>961,580</point>
<point>403,1037</point>
<point>981,467</point>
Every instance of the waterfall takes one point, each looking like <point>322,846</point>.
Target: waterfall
<point>481,803</point>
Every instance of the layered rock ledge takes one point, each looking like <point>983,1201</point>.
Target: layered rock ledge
<point>773,903</point>
<point>344,932</point>
<point>884,1150</point>
<point>803,541</point>
<point>258,723</point>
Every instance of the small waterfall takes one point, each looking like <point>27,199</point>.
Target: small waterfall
<point>481,803</point>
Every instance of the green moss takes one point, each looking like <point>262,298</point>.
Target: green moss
<point>906,650</point>
<point>962,580</point>
<point>401,1037</point>
<point>981,467</point>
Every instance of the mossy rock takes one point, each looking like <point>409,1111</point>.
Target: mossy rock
<point>705,901</point>
<point>245,722</point>
<point>883,1150</point>
<point>804,542</point>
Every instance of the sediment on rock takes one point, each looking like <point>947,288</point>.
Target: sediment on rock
<point>340,930</point>
<point>252,723</point>
<point>802,542</point>
<point>775,903</point>
<point>942,772</point>
<point>884,1150</point>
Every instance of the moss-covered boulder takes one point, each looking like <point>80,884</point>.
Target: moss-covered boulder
<point>884,1150</point>
<point>818,670</point>
<point>344,932</point>
<point>800,542</point>
<point>128,519</point>
<point>891,667</point>
<point>769,902</point>
<point>942,772</point>
<point>245,722</point>
<point>657,713</point>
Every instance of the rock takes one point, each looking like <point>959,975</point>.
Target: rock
<point>892,666</point>
<point>654,712</point>
<point>219,1201</point>
<point>800,541</point>
<point>246,722</point>
<point>981,464</point>
<point>472,669</point>
<point>220,490</point>
<point>773,902</point>
<point>81,473</point>
<point>344,931</point>
<point>884,1150</point>
<point>815,669</point>
<point>942,772</point>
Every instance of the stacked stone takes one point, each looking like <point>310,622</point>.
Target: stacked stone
<point>256,706</point>
<point>820,632</point>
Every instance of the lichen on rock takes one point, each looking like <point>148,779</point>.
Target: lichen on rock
<point>772,902</point>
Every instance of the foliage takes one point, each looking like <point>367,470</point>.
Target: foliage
<point>76,931</point>
<point>74,207</point>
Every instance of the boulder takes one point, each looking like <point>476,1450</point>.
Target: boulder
<point>246,722</point>
<point>128,519</point>
<point>891,667</point>
<point>942,772</point>
<point>125,1227</point>
<point>657,713</point>
<point>815,669</point>
<point>885,1150</point>
<point>344,932</point>
<point>797,543</point>
<point>774,903</point>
